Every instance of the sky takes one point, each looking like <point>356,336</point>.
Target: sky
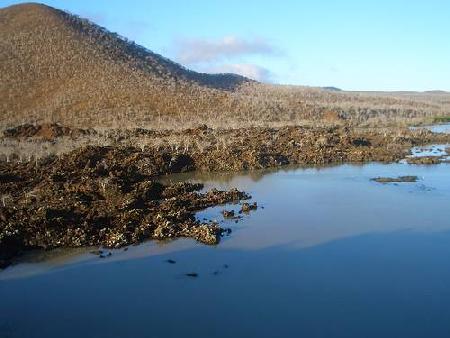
<point>350,44</point>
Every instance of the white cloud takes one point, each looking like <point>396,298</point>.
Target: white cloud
<point>193,51</point>
<point>225,55</point>
<point>251,71</point>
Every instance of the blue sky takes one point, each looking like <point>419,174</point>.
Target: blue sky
<point>354,45</point>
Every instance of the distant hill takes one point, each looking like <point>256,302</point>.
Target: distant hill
<point>332,89</point>
<point>436,92</point>
<point>52,60</point>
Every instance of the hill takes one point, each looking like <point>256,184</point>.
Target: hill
<point>52,61</point>
<point>57,67</point>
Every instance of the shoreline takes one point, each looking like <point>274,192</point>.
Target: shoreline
<point>109,195</point>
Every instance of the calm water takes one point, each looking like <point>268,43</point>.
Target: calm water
<point>439,128</point>
<point>442,128</point>
<point>332,254</point>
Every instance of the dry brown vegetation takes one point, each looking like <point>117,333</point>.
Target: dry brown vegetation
<point>56,67</point>
<point>230,149</point>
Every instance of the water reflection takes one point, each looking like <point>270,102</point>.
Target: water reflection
<point>393,284</point>
<point>308,207</point>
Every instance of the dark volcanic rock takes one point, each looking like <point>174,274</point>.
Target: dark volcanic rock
<point>246,207</point>
<point>192,274</point>
<point>45,131</point>
<point>99,196</point>
<point>400,179</point>
<point>228,213</point>
<point>425,160</point>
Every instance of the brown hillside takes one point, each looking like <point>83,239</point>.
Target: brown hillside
<point>52,61</point>
<point>57,67</point>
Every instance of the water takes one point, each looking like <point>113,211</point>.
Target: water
<point>332,254</point>
<point>431,150</point>
<point>438,128</point>
<point>441,128</point>
<point>435,149</point>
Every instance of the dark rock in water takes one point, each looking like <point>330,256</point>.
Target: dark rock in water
<point>97,252</point>
<point>425,160</point>
<point>109,254</point>
<point>400,179</point>
<point>192,274</point>
<point>228,214</point>
<point>171,261</point>
<point>226,232</point>
<point>226,266</point>
<point>247,207</point>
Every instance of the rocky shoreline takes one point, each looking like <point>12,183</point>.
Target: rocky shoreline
<point>100,196</point>
<point>110,195</point>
